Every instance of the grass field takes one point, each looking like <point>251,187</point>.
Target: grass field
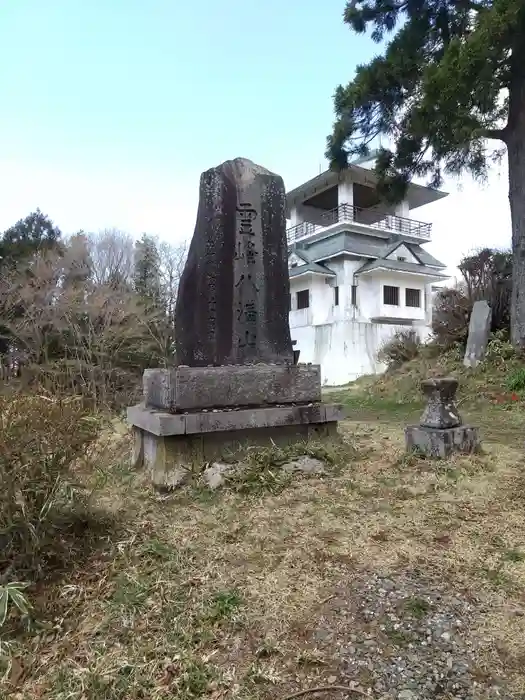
<point>230,594</point>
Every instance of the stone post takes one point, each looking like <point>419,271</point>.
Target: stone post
<point>441,431</point>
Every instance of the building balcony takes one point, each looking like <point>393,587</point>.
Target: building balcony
<point>360,219</point>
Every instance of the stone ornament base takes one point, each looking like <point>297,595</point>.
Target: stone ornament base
<point>442,442</point>
<point>172,447</point>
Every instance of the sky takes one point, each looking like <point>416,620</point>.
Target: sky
<point>113,108</point>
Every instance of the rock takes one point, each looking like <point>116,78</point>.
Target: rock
<point>478,334</point>
<point>215,475</point>
<point>232,304</point>
<point>306,465</point>
<point>406,695</point>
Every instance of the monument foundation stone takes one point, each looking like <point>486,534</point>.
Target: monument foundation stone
<point>235,381</point>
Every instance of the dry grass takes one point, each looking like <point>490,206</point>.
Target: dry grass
<point>201,595</point>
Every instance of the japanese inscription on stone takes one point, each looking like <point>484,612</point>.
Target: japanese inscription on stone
<point>246,288</point>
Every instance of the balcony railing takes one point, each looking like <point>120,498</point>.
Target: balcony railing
<point>346,213</point>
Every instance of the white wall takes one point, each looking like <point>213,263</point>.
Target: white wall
<point>341,338</point>
<point>321,308</point>
<point>370,295</point>
<point>375,283</point>
<point>345,350</point>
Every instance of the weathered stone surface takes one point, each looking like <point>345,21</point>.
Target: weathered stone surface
<point>137,454</point>
<point>306,465</point>
<point>168,465</point>
<point>162,423</point>
<point>192,388</point>
<point>478,334</point>
<point>441,411</point>
<point>232,304</point>
<point>441,443</point>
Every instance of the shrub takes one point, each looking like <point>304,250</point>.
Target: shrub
<point>516,379</point>
<point>499,348</point>
<point>40,437</point>
<point>402,347</point>
<point>450,318</point>
<point>487,275</point>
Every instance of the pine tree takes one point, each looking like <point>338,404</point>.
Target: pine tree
<point>146,276</point>
<point>35,233</point>
<point>450,80</point>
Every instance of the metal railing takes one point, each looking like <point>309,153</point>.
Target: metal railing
<point>347,213</point>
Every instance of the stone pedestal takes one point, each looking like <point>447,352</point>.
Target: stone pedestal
<point>172,446</point>
<point>441,443</point>
<point>441,432</point>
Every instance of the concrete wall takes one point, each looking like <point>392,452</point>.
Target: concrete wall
<point>345,350</point>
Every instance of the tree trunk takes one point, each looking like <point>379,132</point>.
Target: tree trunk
<point>516,158</point>
<point>515,140</point>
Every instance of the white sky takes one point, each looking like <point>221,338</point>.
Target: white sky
<point>165,204</point>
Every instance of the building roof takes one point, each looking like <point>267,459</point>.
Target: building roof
<point>311,267</point>
<point>417,195</point>
<point>398,265</point>
<point>319,247</point>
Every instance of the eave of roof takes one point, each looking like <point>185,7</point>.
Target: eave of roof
<point>310,268</point>
<point>399,266</point>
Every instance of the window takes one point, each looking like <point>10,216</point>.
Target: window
<point>401,258</point>
<point>413,298</point>
<point>303,299</point>
<point>354,295</point>
<point>391,295</point>
<point>336,296</point>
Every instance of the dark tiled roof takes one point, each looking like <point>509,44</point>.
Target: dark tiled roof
<point>319,247</point>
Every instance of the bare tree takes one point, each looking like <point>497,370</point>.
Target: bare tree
<point>111,254</point>
<point>172,261</point>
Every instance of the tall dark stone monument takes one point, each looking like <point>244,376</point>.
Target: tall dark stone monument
<point>235,380</point>
<point>232,306</point>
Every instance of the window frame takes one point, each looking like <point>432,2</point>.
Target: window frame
<point>418,292</point>
<point>396,295</point>
<point>298,297</point>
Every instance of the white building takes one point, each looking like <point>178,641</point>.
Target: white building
<point>358,271</point>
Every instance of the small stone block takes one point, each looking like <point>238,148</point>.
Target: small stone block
<point>194,388</point>
<point>441,443</point>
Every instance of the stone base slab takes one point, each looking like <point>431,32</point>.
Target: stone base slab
<point>442,442</point>
<point>193,388</point>
<point>170,459</point>
<point>162,423</point>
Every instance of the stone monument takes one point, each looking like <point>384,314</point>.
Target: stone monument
<point>478,334</point>
<point>235,379</point>
<point>441,431</point>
